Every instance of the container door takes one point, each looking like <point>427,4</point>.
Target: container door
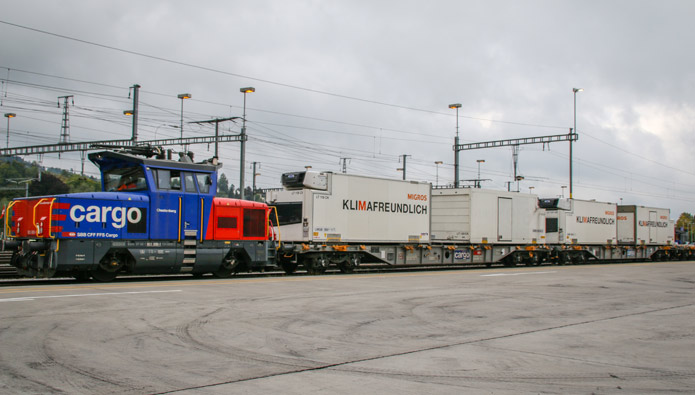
<point>504,219</point>
<point>652,226</point>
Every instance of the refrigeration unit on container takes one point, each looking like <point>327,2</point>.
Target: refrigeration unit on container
<point>343,208</point>
<point>481,216</point>
<point>641,225</point>
<point>573,221</point>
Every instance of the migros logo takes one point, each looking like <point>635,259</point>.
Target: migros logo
<point>119,216</point>
<point>417,196</point>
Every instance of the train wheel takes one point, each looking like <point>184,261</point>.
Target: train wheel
<point>108,268</point>
<point>349,264</point>
<point>289,267</point>
<point>580,259</point>
<point>316,265</point>
<point>102,275</point>
<point>223,272</point>
<point>563,259</point>
<point>227,268</point>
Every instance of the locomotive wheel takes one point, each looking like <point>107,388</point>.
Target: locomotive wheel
<point>102,275</point>
<point>227,268</point>
<point>108,269</point>
<point>289,267</point>
<point>223,272</point>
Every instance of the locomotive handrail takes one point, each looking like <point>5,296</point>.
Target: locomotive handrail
<point>50,218</point>
<point>8,229</point>
<point>179,234</point>
<point>33,216</point>
<point>277,221</point>
<point>202,215</point>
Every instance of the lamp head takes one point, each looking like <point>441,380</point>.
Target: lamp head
<point>247,90</point>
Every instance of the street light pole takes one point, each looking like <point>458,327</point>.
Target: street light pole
<point>242,156</point>
<point>574,130</point>
<point>9,115</point>
<point>456,144</point>
<point>136,99</point>
<point>183,96</point>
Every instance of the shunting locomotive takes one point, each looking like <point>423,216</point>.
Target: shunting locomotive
<point>154,215</point>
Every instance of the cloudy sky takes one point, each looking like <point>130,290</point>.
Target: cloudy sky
<point>372,81</point>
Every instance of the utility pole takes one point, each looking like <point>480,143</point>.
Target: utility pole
<point>217,121</point>
<point>404,168</point>
<point>65,127</point>
<point>253,192</point>
<point>344,160</point>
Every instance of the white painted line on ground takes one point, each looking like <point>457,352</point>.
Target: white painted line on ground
<point>27,298</point>
<point>512,274</point>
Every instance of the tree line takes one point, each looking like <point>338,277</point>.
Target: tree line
<point>19,178</point>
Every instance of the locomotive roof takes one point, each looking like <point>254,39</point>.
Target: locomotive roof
<point>112,158</point>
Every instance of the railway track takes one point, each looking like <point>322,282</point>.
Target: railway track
<point>16,280</point>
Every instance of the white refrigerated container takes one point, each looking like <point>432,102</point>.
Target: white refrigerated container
<point>336,207</point>
<point>470,215</point>
<point>574,221</point>
<point>644,225</point>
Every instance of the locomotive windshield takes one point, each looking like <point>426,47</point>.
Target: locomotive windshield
<point>125,179</point>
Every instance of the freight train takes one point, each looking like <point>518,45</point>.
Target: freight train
<point>156,215</point>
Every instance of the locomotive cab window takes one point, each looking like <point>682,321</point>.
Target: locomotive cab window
<point>189,183</point>
<point>125,179</point>
<point>204,182</point>
<point>167,179</point>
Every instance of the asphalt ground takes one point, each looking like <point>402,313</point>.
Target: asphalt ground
<point>590,329</point>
